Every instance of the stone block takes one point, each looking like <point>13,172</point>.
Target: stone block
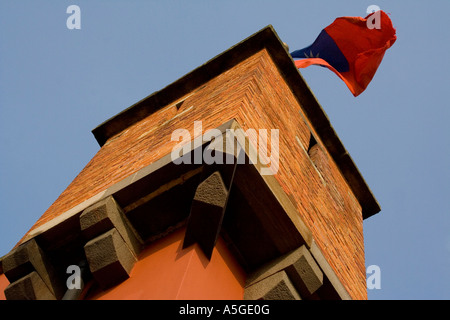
<point>207,211</point>
<point>299,265</point>
<point>27,258</point>
<point>305,274</point>
<point>105,215</point>
<point>29,287</point>
<point>277,286</point>
<point>110,258</point>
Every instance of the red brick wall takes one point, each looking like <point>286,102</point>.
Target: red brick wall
<point>255,94</point>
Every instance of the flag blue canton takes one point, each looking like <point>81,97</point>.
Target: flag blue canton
<point>325,48</point>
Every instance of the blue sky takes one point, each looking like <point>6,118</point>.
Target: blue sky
<point>57,84</point>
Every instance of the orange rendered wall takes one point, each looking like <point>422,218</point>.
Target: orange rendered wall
<point>3,284</point>
<point>166,271</point>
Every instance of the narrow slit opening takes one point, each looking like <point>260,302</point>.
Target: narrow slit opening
<point>179,104</point>
<point>312,142</point>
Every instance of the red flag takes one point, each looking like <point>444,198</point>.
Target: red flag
<point>350,49</point>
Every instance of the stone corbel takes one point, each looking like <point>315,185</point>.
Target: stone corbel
<point>211,196</point>
<point>288,277</point>
<point>31,275</point>
<point>112,244</point>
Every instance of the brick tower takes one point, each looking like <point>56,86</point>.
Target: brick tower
<point>230,183</point>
